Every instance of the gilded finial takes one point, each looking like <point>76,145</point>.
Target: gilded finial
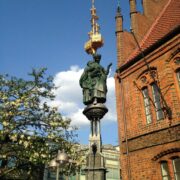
<point>95,39</point>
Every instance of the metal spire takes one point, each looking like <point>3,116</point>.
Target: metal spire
<point>118,7</point>
<point>118,3</point>
<point>95,39</point>
<point>92,3</point>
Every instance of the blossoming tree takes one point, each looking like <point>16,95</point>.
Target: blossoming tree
<point>31,132</point>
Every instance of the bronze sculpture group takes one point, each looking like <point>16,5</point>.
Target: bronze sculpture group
<point>93,81</point>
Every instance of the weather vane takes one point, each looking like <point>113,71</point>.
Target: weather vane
<point>95,39</point>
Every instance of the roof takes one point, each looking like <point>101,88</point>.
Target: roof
<point>167,21</point>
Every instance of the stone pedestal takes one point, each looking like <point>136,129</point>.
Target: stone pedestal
<point>95,166</point>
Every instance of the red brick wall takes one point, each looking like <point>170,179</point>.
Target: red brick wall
<point>152,8</point>
<point>143,141</point>
<point>141,22</point>
<point>143,167</point>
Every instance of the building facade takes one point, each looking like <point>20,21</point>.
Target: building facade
<point>112,163</point>
<point>148,91</point>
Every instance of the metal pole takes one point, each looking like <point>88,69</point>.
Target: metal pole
<point>80,174</point>
<point>94,127</point>
<point>91,128</point>
<point>57,173</point>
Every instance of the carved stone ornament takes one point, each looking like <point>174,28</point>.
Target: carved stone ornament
<point>146,79</point>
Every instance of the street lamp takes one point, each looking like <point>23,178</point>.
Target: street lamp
<point>61,159</point>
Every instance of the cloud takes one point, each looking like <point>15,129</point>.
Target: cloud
<point>69,97</point>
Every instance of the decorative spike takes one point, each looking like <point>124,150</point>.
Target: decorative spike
<point>118,3</point>
<point>92,3</point>
<point>118,13</point>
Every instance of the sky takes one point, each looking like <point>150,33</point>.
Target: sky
<point>51,34</point>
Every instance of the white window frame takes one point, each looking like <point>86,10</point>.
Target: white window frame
<point>178,76</point>
<point>176,172</point>
<point>157,102</point>
<point>165,170</point>
<point>147,105</point>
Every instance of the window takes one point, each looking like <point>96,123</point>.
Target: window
<point>146,82</point>
<point>175,64</point>
<point>110,156</point>
<point>147,105</point>
<point>176,166</point>
<point>157,102</point>
<point>178,76</point>
<point>165,170</point>
<point>112,173</point>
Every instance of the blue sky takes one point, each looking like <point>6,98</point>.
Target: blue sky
<point>52,33</point>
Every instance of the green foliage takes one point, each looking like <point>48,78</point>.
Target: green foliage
<point>31,132</point>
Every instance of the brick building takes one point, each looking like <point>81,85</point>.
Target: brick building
<point>148,91</point>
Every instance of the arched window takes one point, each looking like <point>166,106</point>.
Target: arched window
<point>174,61</point>
<point>176,167</point>
<point>165,170</point>
<point>169,160</point>
<point>147,84</point>
<point>178,76</point>
<point>157,102</point>
<point>177,67</point>
<point>147,105</point>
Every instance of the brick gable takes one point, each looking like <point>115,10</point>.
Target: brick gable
<point>167,21</point>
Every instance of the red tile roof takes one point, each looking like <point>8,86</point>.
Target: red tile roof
<point>166,22</point>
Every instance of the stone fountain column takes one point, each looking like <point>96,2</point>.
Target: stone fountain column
<point>95,163</point>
